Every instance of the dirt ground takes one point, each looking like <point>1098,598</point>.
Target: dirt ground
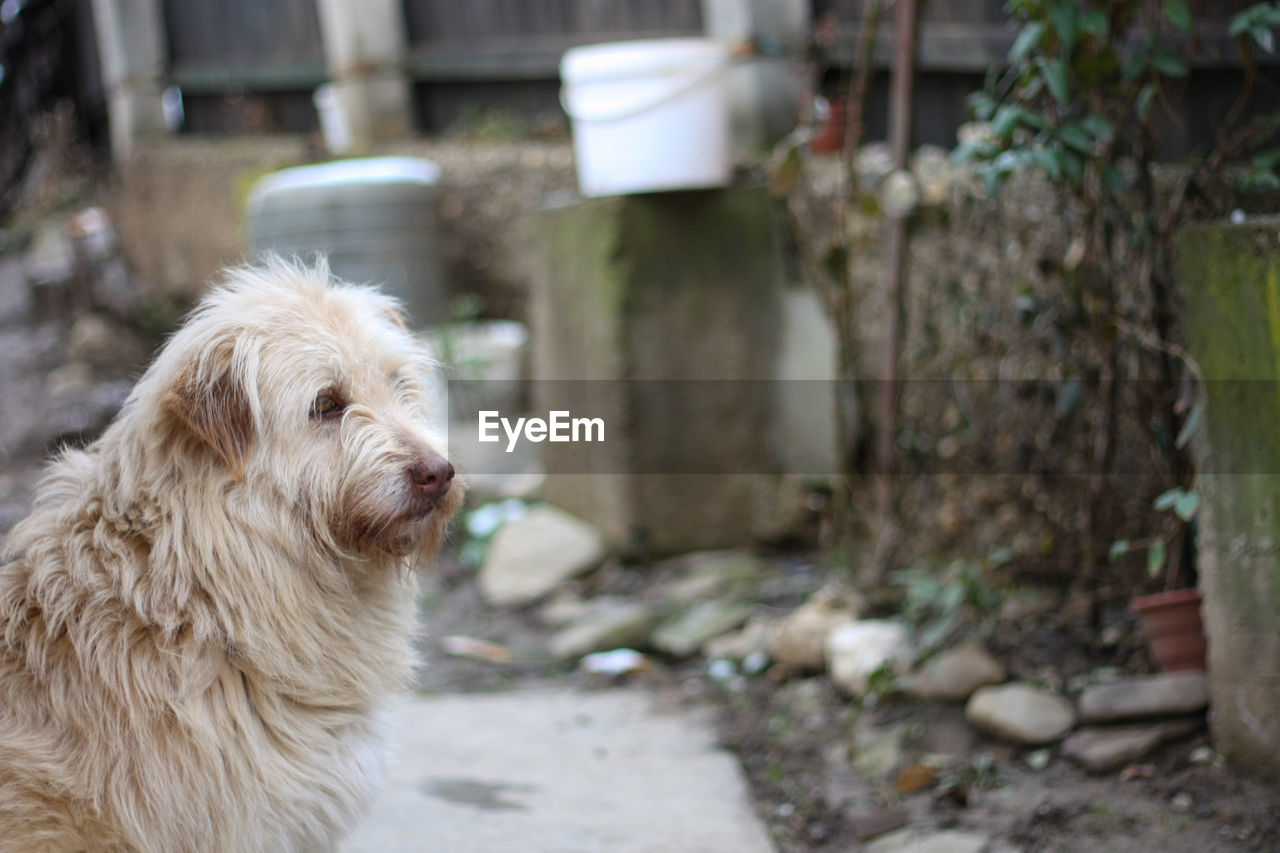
<point>793,735</point>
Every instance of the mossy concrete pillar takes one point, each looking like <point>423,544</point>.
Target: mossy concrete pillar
<point>670,302</point>
<point>1231,279</point>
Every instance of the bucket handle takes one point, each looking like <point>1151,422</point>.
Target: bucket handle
<point>631,112</point>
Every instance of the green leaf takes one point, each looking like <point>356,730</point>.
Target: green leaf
<point>972,149</point>
<point>1166,500</point>
<point>1263,37</point>
<point>1094,22</point>
<point>1241,22</point>
<point>1179,15</point>
<point>1054,72</point>
<point>1028,38</point>
<point>1118,549</point>
<point>1170,65</point>
<point>1155,558</point>
<point>1186,505</point>
<point>1098,127</point>
<point>1065,15</point>
<point>1142,104</point>
<point>1072,165</point>
<point>1114,179</point>
<point>1135,65</point>
<point>1006,121</point>
<point>1050,159</point>
<point>983,106</point>
<point>1073,136</point>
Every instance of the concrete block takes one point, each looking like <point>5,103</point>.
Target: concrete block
<point>675,289</point>
<point>1231,282</point>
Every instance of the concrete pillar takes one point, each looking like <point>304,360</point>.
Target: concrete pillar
<point>676,290</point>
<point>134,55</point>
<point>768,81</point>
<point>1231,281</point>
<point>364,46</point>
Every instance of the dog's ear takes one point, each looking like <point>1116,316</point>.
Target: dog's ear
<point>210,401</point>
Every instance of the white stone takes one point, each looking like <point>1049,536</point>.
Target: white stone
<point>530,556</point>
<point>954,674</point>
<point>856,650</point>
<point>799,639</point>
<point>1020,713</point>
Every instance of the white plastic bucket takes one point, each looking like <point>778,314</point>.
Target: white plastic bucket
<point>648,116</point>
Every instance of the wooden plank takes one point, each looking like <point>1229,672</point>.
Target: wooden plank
<point>208,79</point>
<point>535,58</point>
<point>978,47</point>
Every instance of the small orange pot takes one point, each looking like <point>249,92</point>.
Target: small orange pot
<point>1175,634</point>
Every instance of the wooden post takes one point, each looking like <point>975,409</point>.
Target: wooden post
<point>131,43</point>
<point>364,46</point>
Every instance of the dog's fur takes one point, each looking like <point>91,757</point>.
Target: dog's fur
<point>207,607</point>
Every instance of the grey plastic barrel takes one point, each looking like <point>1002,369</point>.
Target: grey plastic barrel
<point>374,217</point>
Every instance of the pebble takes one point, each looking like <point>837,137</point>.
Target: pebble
<point>798,640</point>
<point>954,674</point>
<point>684,634</point>
<point>611,626</point>
<point>856,650</point>
<point>1106,749</point>
<point>1020,714</point>
<point>532,555</point>
<point>1165,695</point>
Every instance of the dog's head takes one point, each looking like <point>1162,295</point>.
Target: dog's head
<point>307,395</point>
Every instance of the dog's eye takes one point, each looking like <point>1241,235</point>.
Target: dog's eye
<point>327,405</point>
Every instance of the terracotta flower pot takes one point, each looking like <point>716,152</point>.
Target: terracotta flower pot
<point>829,138</point>
<point>1175,635</point>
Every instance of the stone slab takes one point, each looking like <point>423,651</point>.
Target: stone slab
<point>558,770</point>
<point>1164,695</point>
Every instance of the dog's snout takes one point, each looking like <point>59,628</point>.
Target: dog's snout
<point>431,476</point>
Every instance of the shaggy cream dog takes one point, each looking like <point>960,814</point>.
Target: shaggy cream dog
<point>207,606</point>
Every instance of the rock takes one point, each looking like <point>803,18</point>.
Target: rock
<point>1151,696</point>
<point>753,639</point>
<point>705,574</point>
<point>1020,713</point>
<point>611,626</point>
<point>1103,750</point>
<point>531,555</point>
<point>799,639</point>
<point>954,674</point>
<point>877,751</point>
<point>686,633</point>
<point>562,607</point>
<point>914,841</point>
<point>856,650</point>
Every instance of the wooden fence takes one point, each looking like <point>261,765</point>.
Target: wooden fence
<point>251,65</point>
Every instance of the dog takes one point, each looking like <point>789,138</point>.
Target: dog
<point>209,605</point>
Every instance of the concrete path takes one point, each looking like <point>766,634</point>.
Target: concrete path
<point>558,772</point>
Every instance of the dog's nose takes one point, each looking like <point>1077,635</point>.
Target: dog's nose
<point>431,476</point>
